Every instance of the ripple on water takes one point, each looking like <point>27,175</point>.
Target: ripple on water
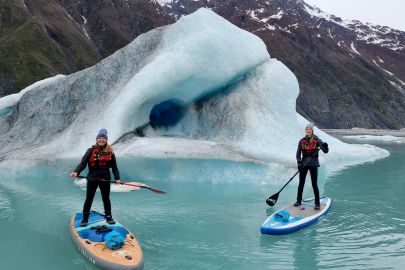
<point>6,208</point>
<point>360,239</point>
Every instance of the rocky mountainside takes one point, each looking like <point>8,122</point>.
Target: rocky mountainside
<point>42,38</point>
<point>351,74</point>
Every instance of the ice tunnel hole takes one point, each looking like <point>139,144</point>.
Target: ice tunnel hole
<point>166,113</point>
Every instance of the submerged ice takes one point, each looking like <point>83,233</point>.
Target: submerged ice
<point>200,88</point>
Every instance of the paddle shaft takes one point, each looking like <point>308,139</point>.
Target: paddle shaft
<point>123,183</point>
<point>273,198</point>
<point>288,181</point>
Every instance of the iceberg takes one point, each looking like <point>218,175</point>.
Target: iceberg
<point>7,102</point>
<point>377,138</point>
<point>226,98</point>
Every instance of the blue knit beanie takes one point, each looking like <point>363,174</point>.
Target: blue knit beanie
<point>102,133</point>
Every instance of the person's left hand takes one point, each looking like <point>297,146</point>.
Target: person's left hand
<point>325,147</point>
<point>118,181</point>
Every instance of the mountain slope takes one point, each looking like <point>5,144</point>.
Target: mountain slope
<point>41,38</point>
<point>351,74</point>
<point>112,24</point>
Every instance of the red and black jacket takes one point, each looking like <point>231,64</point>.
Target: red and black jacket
<point>99,162</point>
<point>307,151</point>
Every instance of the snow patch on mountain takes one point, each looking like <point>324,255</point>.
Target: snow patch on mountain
<point>370,33</point>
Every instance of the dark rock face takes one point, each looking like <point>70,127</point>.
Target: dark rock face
<point>112,24</point>
<point>351,74</point>
<point>42,38</point>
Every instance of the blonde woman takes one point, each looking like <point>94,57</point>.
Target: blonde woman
<point>307,159</point>
<point>99,158</point>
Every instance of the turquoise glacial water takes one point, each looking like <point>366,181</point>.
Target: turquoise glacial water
<point>208,224</point>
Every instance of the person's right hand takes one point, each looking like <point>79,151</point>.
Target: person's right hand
<point>73,174</point>
<point>299,166</point>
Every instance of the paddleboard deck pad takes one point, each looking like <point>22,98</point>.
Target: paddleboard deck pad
<point>90,242</point>
<point>293,218</point>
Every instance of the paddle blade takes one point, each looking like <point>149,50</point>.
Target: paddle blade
<point>143,186</point>
<point>271,201</point>
<point>156,190</point>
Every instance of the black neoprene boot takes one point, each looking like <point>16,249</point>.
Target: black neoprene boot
<point>109,219</point>
<point>84,221</point>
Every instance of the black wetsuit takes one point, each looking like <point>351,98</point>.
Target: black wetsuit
<point>307,159</point>
<point>99,162</point>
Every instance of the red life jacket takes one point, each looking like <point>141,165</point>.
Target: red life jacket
<point>308,147</point>
<point>100,159</point>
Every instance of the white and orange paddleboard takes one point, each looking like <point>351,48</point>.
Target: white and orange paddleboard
<point>90,242</point>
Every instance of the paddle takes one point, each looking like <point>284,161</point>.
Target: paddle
<point>124,183</point>
<point>271,201</point>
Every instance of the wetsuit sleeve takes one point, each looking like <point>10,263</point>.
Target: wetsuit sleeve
<point>324,148</point>
<point>114,168</point>
<point>84,162</point>
<point>298,155</point>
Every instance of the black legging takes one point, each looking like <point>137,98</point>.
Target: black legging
<point>314,177</point>
<point>91,191</point>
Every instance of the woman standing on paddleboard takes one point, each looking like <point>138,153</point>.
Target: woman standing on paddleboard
<point>100,158</point>
<point>307,159</point>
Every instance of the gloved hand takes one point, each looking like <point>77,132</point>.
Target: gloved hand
<point>118,181</point>
<point>300,166</point>
<point>325,147</point>
<point>73,174</point>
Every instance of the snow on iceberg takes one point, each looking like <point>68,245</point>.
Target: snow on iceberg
<point>7,102</point>
<point>236,102</point>
<point>198,54</point>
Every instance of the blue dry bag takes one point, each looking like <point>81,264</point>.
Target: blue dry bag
<point>282,216</point>
<point>114,240</point>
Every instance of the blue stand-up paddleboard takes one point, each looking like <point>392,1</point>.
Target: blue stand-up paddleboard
<point>293,218</point>
<point>124,254</point>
